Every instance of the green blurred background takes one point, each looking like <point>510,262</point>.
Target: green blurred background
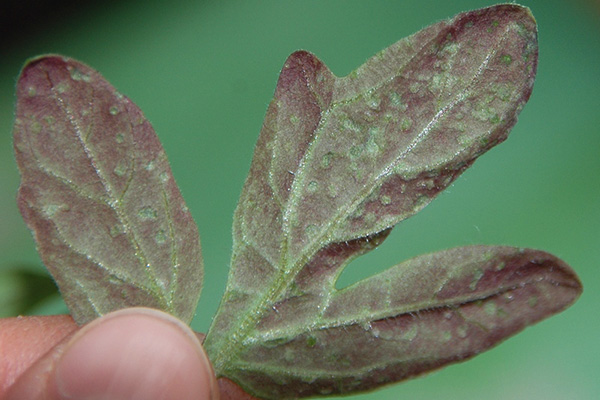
<point>204,72</point>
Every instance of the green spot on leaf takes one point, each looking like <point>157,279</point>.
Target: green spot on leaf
<point>62,87</point>
<point>147,213</point>
<point>490,308</point>
<point>355,151</point>
<point>395,99</point>
<point>326,160</point>
<point>446,336</point>
<point>410,334</point>
<point>476,278</point>
<point>35,127</point>
<point>77,75</point>
<point>121,168</point>
<point>506,59</point>
<point>115,231</point>
<point>532,301</point>
<point>160,237</point>
<point>405,124</point>
<point>51,209</point>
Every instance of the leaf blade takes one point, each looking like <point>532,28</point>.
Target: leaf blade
<point>430,147</point>
<point>407,333</point>
<point>99,195</point>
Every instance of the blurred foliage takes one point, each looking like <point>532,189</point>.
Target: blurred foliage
<point>23,290</point>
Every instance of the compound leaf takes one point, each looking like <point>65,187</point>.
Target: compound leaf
<point>338,163</point>
<point>98,193</point>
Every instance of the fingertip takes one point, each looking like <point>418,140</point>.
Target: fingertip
<point>135,354</point>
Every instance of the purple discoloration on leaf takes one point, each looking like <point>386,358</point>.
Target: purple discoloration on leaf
<point>98,193</point>
<point>338,163</point>
<point>386,329</point>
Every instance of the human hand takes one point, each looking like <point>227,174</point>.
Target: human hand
<point>131,354</point>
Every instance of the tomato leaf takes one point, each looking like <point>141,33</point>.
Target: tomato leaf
<point>338,163</point>
<point>98,193</point>
<point>418,316</point>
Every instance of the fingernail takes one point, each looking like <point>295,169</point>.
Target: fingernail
<point>135,354</point>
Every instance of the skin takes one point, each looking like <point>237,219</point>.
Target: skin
<point>131,354</point>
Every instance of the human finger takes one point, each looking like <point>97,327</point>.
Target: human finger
<point>136,353</point>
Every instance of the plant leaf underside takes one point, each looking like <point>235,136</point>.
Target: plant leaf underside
<point>339,162</point>
<point>98,193</point>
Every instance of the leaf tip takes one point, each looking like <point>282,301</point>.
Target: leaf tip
<point>42,60</point>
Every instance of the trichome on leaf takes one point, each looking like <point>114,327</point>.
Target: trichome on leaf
<point>338,163</point>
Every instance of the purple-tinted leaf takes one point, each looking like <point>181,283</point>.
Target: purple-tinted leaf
<point>420,315</point>
<point>338,163</point>
<point>98,193</point>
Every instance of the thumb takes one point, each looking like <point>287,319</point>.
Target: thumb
<point>137,353</point>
